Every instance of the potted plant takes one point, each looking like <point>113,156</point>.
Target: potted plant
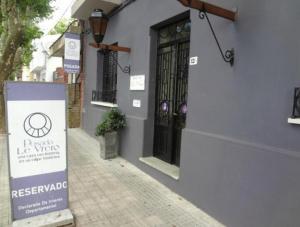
<point>107,131</point>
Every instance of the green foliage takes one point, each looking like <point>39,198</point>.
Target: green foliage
<point>26,14</point>
<point>32,32</point>
<point>35,10</point>
<point>40,9</point>
<point>113,121</point>
<point>61,26</point>
<point>12,76</point>
<point>1,19</point>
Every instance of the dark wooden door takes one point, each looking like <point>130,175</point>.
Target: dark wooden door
<point>171,90</point>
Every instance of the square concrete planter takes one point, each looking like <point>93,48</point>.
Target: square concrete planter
<point>109,145</point>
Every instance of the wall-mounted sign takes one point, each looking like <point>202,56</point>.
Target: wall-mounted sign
<point>72,53</point>
<point>136,103</point>
<point>194,60</point>
<point>36,121</point>
<point>137,83</point>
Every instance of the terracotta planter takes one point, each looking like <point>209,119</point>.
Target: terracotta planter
<point>109,145</point>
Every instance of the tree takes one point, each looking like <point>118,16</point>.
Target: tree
<point>18,27</point>
<point>61,26</point>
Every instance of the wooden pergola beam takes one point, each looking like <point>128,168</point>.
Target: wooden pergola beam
<point>209,8</point>
<point>110,47</point>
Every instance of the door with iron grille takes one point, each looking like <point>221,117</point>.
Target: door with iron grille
<point>171,90</point>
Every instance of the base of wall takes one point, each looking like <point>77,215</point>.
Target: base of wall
<point>166,168</point>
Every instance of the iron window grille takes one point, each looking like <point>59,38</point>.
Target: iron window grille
<point>109,78</point>
<point>296,106</point>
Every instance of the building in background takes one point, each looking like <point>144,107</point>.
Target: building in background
<point>43,65</point>
<point>26,74</point>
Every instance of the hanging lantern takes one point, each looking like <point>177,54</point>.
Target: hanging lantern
<point>98,24</point>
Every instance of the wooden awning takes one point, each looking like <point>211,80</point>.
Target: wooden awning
<point>110,47</point>
<point>209,8</point>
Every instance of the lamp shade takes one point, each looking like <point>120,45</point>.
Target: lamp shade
<point>98,24</point>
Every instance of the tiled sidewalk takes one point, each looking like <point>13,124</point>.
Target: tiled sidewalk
<point>114,193</point>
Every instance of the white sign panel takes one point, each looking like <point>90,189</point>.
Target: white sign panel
<point>136,103</point>
<point>137,83</point>
<point>72,48</point>
<point>36,145</point>
<point>194,60</point>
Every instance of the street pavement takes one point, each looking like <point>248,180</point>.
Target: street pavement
<point>112,193</point>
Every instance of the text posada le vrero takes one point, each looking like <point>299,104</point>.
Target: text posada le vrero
<point>38,189</point>
<point>30,146</point>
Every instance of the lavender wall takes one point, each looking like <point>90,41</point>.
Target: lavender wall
<point>239,158</point>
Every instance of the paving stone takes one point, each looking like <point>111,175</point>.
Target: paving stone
<point>112,193</point>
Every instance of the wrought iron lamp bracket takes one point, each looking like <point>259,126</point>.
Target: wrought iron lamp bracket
<point>126,69</point>
<point>228,56</point>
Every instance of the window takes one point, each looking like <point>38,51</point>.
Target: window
<point>109,88</point>
<point>296,106</point>
<point>107,77</point>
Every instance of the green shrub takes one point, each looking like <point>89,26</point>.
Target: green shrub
<point>112,121</point>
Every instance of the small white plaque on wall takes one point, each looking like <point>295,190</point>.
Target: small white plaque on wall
<point>137,83</point>
<point>136,103</point>
<point>194,60</point>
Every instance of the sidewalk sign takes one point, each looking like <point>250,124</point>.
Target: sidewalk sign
<point>37,147</point>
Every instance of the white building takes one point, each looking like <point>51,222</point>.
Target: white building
<point>42,65</point>
<point>26,74</point>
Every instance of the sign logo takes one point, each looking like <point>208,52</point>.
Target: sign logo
<point>37,125</point>
<point>72,45</point>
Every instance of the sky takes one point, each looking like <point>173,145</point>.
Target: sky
<point>62,8</point>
